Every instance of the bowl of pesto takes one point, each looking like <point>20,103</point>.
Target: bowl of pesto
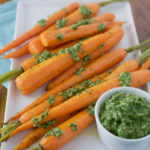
<point>123,118</point>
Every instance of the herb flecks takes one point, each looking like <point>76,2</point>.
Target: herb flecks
<point>85,11</point>
<point>125,79</point>
<point>43,56</point>
<point>45,125</point>
<point>101,27</point>
<point>60,36</point>
<point>36,120</point>
<point>42,22</point>
<point>91,109</point>
<point>80,23</point>
<point>79,71</point>
<point>61,23</point>
<point>54,132</point>
<point>95,83</point>
<point>51,100</point>
<point>73,126</point>
<point>86,59</point>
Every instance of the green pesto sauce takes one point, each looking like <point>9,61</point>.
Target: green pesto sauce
<point>51,100</point>
<point>79,71</point>
<point>73,51</point>
<point>54,132</point>
<point>125,79</point>
<point>42,22</point>
<point>59,36</point>
<point>85,11</point>
<point>73,126</point>
<point>126,115</point>
<point>101,27</point>
<point>42,116</point>
<point>61,23</point>
<point>80,23</point>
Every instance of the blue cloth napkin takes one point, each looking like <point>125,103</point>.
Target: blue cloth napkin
<point>7,26</point>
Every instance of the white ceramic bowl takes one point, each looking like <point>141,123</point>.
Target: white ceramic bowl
<point>111,141</point>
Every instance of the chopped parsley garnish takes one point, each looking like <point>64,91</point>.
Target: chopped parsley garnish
<point>86,83</point>
<point>79,71</point>
<point>43,56</point>
<point>101,27</point>
<point>66,11</point>
<point>61,23</point>
<point>80,23</point>
<point>109,71</point>
<point>45,125</point>
<point>95,83</point>
<point>86,59</point>
<point>51,100</point>
<point>85,11</point>
<point>55,131</point>
<point>36,120</point>
<point>73,126</point>
<point>91,109</point>
<point>60,36</point>
<point>102,45</point>
<point>42,22</point>
<point>125,79</point>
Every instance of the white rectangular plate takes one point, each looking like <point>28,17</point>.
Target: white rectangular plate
<point>28,13</point>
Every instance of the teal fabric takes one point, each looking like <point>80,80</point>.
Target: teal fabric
<point>7,26</point>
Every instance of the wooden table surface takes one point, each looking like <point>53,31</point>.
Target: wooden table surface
<point>141,11</point>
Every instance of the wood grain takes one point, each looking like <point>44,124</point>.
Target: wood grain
<point>3,94</point>
<point>141,11</point>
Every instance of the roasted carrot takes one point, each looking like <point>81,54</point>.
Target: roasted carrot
<point>130,66</point>
<point>16,53</point>
<point>57,89</point>
<point>108,45</point>
<point>61,36</point>
<point>39,132</point>
<point>40,74</point>
<point>70,129</point>
<point>35,46</point>
<point>146,65</point>
<point>33,60</point>
<point>138,78</point>
<point>39,28</point>
<point>98,66</point>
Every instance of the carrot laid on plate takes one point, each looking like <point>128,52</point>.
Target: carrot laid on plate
<point>68,130</point>
<point>138,78</point>
<point>108,45</point>
<point>40,74</point>
<point>44,24</point>
<point>39,132</point>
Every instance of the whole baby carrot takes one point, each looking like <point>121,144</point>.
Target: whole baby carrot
<point>40,74</point>
<point>108,45</point>
<point>39,28</point>
<point>69,130</point>
<point>137,78</point>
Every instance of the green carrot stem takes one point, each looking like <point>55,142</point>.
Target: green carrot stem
<point>111,1</point>
<point>140,46</point>
<point>37,148</point>
<point>141,59</point>
<point>10,75</point>
<point>8,129</point>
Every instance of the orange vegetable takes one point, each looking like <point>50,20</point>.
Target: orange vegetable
<point>61,36</point>
<point>146,65</point>
<point>16,53</point>
<point>40,74</point>
<point>35,46</point>
<point>81,120</point>
<point>38,28</point>
<point>37,133</point>
<point>138,78</point>
<point>108,45</point>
